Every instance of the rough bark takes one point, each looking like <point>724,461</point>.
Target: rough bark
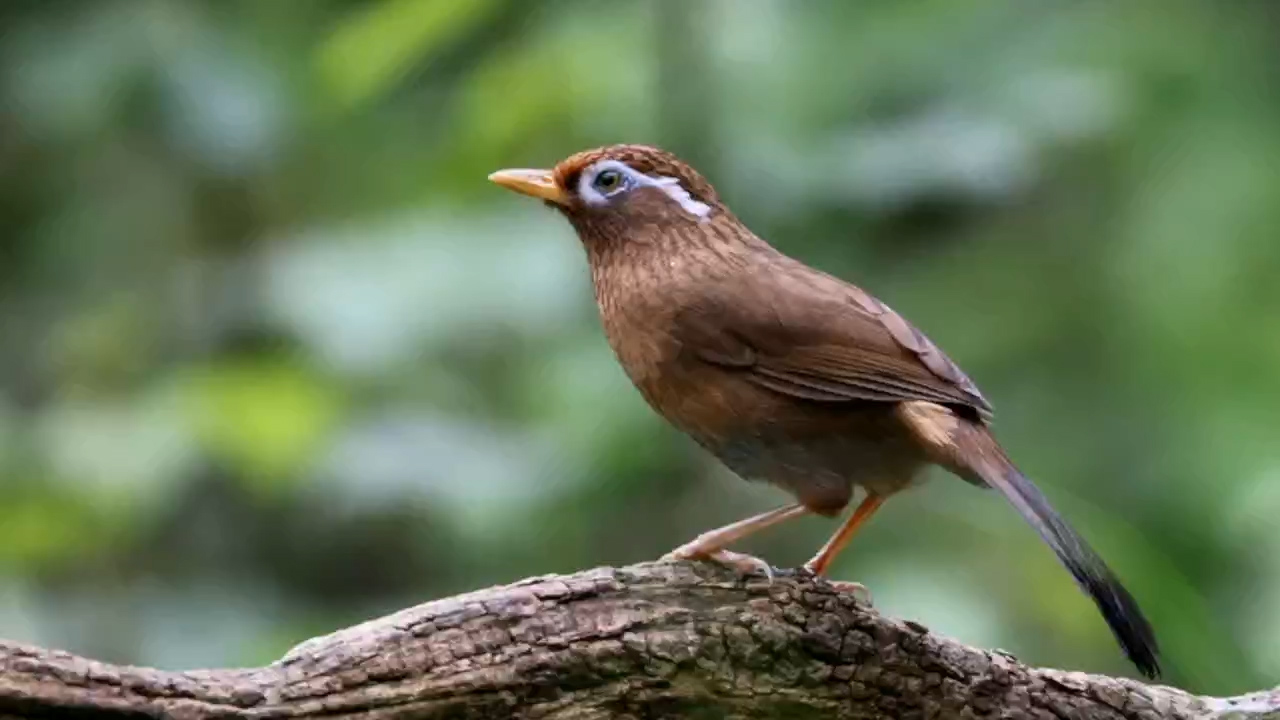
<point>646,641</point>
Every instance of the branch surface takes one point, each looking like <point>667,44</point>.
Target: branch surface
<point>657,640</point>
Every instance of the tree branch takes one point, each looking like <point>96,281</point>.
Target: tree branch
<point>653,641</point>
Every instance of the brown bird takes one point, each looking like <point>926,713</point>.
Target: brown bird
<point>785,373</point>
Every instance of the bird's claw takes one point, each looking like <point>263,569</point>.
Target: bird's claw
<point>743,563</point>
<point>857,589</point>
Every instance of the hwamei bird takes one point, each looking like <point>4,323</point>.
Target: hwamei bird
<point>784,373</point>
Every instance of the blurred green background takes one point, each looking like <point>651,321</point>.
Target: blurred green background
<point>276,358</point>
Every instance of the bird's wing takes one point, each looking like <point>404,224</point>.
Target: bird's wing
<point>814,337</point>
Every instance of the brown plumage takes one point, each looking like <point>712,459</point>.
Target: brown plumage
<point>784,373</point>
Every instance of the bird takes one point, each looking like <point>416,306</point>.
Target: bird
<point>786,374</point>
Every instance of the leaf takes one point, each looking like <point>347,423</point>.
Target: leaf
<point>44,528</point>
<point>266,418</point>
<point>369,52</point>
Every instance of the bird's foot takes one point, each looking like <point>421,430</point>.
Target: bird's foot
<point>741,562</point>
<point>857,589</point>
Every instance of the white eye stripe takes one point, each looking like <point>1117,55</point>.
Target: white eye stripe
<point>632,178</point>
<point>676,191</point>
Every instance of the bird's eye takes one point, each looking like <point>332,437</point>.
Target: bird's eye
<point>608,181</point>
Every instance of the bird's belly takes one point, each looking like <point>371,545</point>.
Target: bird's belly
<point>820,460</point>
<point>817,451</point>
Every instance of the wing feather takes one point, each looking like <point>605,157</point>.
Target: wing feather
<point>825,342</point>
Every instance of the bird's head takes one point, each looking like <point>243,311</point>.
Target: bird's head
<point>621,193</point>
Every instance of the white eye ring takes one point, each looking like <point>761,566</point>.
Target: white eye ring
<point>609,174</point>
<point>592,195</point>
<point>629,179</point>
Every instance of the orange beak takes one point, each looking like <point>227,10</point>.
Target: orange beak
<point>534,183</point>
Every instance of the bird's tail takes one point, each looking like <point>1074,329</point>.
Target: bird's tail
<point>975,454</point>
<point>1115,603</point>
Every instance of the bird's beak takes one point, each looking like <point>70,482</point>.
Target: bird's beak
<point>535,183</point>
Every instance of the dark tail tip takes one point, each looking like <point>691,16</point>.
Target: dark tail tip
<point>1121,612</point>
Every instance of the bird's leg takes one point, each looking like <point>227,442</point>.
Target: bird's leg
<point>822,561</point>
<point>710,545</point>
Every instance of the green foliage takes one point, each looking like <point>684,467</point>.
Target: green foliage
<point>371,50</point>
<point>276,357</point>
<point>265,418</point>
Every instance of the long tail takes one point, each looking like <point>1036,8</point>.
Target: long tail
<point>973,453</point>
<point>1115,603</point>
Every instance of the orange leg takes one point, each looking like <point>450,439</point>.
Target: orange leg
<point>822,561</point>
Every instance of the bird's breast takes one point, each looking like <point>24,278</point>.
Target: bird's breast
<point>638,297</point>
